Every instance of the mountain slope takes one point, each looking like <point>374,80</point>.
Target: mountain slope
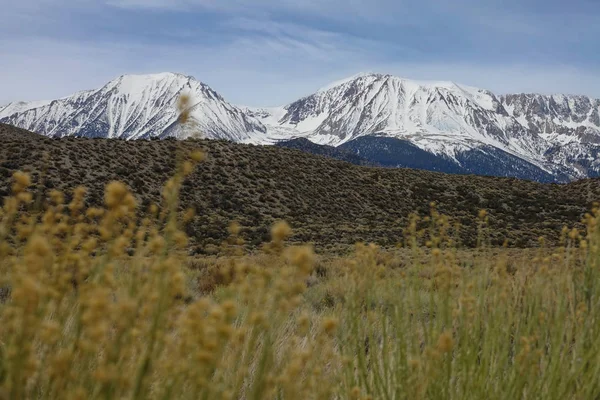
<point>440,116</point>
<point>397,153</point>
<point>338,153</point>
<point>560,119</point>
<point>20,107</point>
<point>137,106</point>
<point>454,122</point>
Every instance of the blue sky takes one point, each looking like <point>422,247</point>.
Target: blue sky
<point>267,52</point>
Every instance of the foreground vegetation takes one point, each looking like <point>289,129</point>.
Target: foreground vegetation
<point>96,303</point>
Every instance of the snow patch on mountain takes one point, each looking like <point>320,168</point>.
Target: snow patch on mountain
<point>20,106</point>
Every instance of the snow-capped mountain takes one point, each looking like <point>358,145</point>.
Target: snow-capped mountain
<point>20,107</point>
<point>389,120</point>
<point>448,120</point>
<point>133,107</point>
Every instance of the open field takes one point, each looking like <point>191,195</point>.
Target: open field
<point>100,303</point>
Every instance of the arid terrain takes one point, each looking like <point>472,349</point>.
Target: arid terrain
<point>100,298</point>
<point>327,202</point>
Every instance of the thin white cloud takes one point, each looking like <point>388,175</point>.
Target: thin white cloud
<point>375,10</point>
<point>256,72</point>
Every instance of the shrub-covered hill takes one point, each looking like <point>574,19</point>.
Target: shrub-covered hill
<point>326,201</point>
<point>328,151</point>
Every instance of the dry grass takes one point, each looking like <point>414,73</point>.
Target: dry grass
<point>104,303</point>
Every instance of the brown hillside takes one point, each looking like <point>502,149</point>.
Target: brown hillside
<point>326,201</point>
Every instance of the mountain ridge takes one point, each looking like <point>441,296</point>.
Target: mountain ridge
<point>556,134</point>
<point>138,106</point>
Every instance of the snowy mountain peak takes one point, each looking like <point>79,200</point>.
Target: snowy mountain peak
<point>368,104</point>
<point>360,75</point>
<point>136,83</point>
<point>443,118</point>
<point>371,77</point>
<point>137,106</point>
<point>555,135</point>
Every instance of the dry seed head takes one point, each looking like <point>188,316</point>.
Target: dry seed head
<point>225,331</point>
<point>303,323</point>
<point>190,213</point>
<point>257,318</point>
<point>229,308</point>
<point>240,335</point>
<point>197,156</point>
<point>11,205</point>
<point>180,239</point>
<point>94,212</point>
<point>25,197</point>
<point>574,234</point>
<point>188,168</point>
<point>22,181</point>
<point>330,325</point>
<point>205,357</point>
<point>445,342</point>
<point>119,246</point>
<point>280,231</point>
<point>157,244</point>
<point>114,194</point>
<point>234,228</point>
<point>79,192</point>
<point>22,178</point>
<point>183,105</point>
<point>50,332</point>
<point>39,246</point>
<point>217,313</point>
<point>302,257</point>
<point>178,283</point>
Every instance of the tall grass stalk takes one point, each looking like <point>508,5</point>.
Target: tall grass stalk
<point>100,303</point>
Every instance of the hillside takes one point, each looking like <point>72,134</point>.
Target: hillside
<point>338,153</point>
<point>328,202</point>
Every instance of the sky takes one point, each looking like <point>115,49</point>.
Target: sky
<point>272,52</point>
